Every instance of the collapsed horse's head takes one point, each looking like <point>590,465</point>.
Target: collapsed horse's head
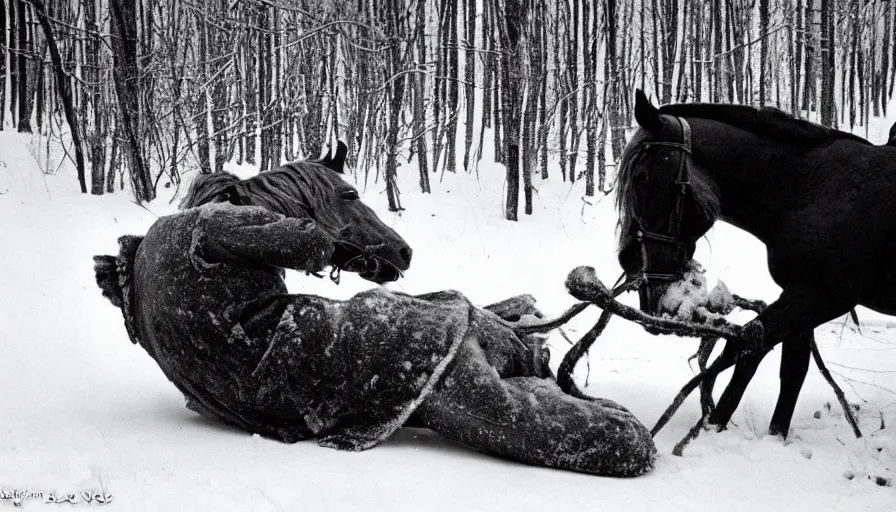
<point>315,189</point>
<point>665,203</point>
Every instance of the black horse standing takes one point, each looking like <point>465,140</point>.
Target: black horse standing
<point>821,200</point>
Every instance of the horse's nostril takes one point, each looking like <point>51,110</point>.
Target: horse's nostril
<point>405,253</point>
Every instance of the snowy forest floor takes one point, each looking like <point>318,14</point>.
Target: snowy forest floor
<point>84,409</point>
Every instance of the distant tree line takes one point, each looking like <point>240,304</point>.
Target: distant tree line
<point>145,89</point>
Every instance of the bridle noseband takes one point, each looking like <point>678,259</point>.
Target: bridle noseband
<point>642,235</point>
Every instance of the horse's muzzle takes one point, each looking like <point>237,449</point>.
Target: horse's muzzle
<point>650,295</point>
<point>379,270</point>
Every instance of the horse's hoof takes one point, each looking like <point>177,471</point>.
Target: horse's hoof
<point>714,424</point>
<point>785,434</point>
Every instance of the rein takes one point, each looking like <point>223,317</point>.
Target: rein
<point>367,255</point>
<point>643,236</point>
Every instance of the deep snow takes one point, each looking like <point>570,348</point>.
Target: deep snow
<point>85,409</point>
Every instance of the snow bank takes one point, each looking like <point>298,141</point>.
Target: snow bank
<point>84,409</point>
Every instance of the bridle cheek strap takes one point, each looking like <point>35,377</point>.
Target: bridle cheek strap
<point>673,238</point>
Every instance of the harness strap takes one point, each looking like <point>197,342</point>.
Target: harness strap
<point>680,146</point>
<point>683,180</point>
<point>641,235</point>
<point>661,277</point>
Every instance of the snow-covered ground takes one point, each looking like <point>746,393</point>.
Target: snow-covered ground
<point>84,409</point>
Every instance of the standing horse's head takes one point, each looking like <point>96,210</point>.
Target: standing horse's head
<point>316,190</point>
<point>665,203</point>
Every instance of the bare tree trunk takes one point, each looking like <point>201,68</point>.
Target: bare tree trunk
<point>572,64</point>
<point>860,68</point>
<point>714,50</point>
<point>613,108</point>
<point>204,104</point>
<point>99,134</point>
<point>892,17</point>
<point>809,88</point>
<point>250,56</point>
<point>885,58</point>
<point>796,66</point>
<point>275,123</point>
<point>126,74</point>
<point>530,112</point>
<point>872,60</point>
<point>683,49</point>
<point>40,86</point>
<point>488,66</point>
<point>12,36</point>
<point>419,95</point>
<point>22,45</point>
<point>670,44</point>
<point>264,87</point>
<point>440,98</point>
<point>735,56</point>
<point>697,12</point>
<point>589,20</point>
<point>625,66</point>
<point>657,63</point>
<point>453,90</point>
<point>469,77</point>
<point>64,92</point>
<point>562,80</point>
<point>114,163</point>
<point>5,92</point>
<point>827,64</point>
<point>541,33</point>
<point>219,116</point>
<point>602,155</point>
<point>498,76</point>
<point>763,50</point>
<point>396,98</point>
<point>514,23</point>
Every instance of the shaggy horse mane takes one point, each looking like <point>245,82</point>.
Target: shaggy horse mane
<point>300,189</point>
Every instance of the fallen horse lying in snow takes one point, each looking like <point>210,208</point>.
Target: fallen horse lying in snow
<point>203,294</point>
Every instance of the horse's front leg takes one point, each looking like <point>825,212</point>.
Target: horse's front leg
<point>744,369</point>
<point>250,234</point>
<point>795,354</point>
<point>791,320</point>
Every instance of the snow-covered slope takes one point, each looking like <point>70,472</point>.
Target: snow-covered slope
<point>82,408</point>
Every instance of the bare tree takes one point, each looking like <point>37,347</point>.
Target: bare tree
<point>396,32</point>
<point>23,45</point>
<point>827,63</point>
<point>510,30</point>
<point>126,73</point>
<point>65,93</point>
<point>469,76</point>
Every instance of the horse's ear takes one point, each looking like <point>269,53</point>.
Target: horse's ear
<point>335,162</point>
<point>338,161</point>
<point>646,114</point>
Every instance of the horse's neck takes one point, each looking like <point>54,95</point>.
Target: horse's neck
<point>753,180</point>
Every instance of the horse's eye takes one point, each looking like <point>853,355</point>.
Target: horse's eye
<point>350,195</point>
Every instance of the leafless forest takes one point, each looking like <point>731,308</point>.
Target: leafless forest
<point>141,91</point>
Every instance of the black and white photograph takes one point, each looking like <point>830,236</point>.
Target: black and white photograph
<point>448,255</point>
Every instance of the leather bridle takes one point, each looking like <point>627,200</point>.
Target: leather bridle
<point>645,237</point>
